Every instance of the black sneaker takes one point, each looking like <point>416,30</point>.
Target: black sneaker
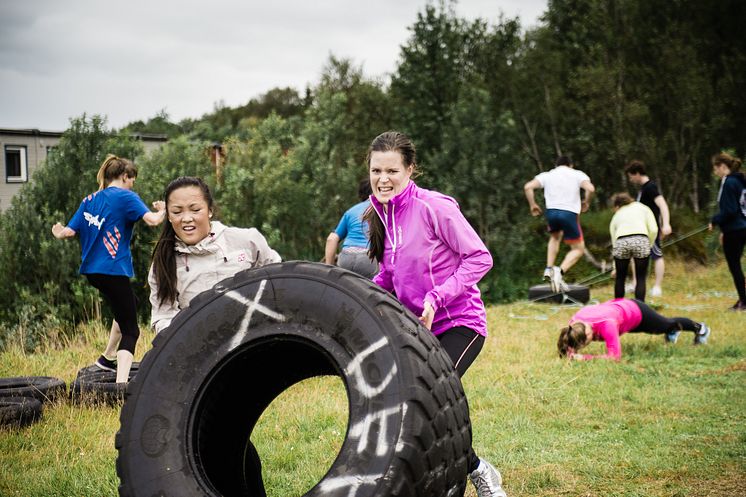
<point>738,306</point>
<point>105,364</point>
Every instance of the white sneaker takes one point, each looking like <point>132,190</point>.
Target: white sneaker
<point>487,480</point>
<point>656,291</point>
<point>557,283</point>
<point>700,338</point>
<point>629,287</point>
<point>548,275</point>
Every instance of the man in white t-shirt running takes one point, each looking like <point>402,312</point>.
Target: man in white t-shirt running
<point>562,187</point>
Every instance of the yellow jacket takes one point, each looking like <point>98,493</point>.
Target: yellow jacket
<point>633,219</point>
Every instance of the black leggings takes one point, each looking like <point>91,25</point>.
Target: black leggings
<point>641,272</point>
<point>652,322</point>
<point>117,291</point>
<point>463,345</point>
<point>733,244</point>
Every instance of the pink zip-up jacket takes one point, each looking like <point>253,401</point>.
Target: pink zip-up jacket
<point>609,321</point>
<point>432,254</point>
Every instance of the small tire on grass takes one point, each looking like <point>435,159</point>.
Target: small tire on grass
<point>544,293</point>
<point>42,388</point>
<point>18,412</point>
<point>189,414</point>
<point>95,385</point>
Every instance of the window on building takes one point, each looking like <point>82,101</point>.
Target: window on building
<point>16,169</point>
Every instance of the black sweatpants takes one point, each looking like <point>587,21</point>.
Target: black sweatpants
<point>652,322</point>
<point>733,245</point>
<point>463,345</point>
<point>117,291</point>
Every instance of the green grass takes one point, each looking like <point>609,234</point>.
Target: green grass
<point>668,420</point>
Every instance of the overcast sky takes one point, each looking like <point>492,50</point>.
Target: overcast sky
<point>129,60</point>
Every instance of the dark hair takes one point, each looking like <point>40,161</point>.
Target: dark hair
<point>112,168</point>
<point>635,167</point>
<point>573,336</point>
<point>164,256</point>
<point>621,199</point>
<point>563,160</point>
<point>363,189</point>
<point>390,141</point>
<point>733,163</point>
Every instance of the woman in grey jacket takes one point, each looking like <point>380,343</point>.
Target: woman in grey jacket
<point>194,253</point>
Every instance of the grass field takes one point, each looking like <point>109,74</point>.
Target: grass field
<point>668,420</point>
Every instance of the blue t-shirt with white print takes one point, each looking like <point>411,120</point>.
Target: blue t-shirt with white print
<point>104,223</point>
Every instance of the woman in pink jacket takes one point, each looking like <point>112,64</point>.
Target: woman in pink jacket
<point>607,322</point>
<point>431,258</point>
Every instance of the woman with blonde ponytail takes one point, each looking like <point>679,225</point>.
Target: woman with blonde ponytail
<point>104,221</point>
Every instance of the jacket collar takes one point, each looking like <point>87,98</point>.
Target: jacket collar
<point>205,246</point>
<point>399,202</point>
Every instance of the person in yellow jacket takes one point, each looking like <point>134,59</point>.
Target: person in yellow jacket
<point>633,231</point>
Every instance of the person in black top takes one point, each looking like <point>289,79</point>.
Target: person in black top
<point>650,195</point>
<point>731,218</point>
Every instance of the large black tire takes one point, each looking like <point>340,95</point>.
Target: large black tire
<point>184,434</point>
<point>42,388</point>
<point>18,412</point>
<point>94,385</point>
<point>544,293</point>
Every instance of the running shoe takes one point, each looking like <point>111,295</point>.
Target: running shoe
<point>548,275</point>
<point>738,306</point>
<point>557,283</point>
<point>656,291</point>
<point>672,336</point>
<point>105,364</point>
<point>487,480</point>
<point>700,338</point>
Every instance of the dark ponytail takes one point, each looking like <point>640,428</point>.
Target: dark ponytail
<point>389,141</point>
<point>164,254</point>
<point>376,234</point>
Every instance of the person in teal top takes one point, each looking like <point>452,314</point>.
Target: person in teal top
<point>104,223</point>
<point>354,231</point>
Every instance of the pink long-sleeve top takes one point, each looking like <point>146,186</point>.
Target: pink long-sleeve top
<point>609,321</point>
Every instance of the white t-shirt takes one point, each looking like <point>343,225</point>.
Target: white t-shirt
<point>562,188</point>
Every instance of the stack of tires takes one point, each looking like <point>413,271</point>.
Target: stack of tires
<point>22,398</point>
<point>93,385</point>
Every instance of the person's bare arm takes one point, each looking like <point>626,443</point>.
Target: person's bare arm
<point>62,232</point>
<point>588,187</point>
<point>155,218</point>
<point>665,216</point>
<point>528,190</point>
<point>332,241</point>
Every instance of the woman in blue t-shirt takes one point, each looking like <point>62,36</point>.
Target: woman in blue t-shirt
<point>354,231</point>
<point>104,222</point>
<point>731,219</point>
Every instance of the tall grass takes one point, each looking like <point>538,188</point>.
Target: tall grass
<point>668,420</point>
